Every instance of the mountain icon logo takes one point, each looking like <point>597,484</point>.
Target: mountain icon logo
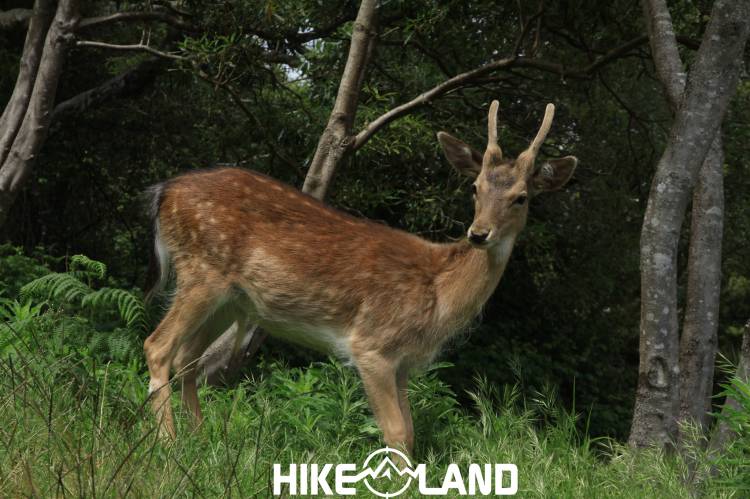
<point>381,470</point>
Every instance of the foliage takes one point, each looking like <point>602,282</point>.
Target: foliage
<point>104,324</point>
<point>566,309</point>
<point>737,418</point>
<point>76,427</point>
<point>68,288</point>
<point>17,269</point>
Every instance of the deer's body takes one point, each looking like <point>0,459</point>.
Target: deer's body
<point>248,249</point>
<point>316,276</point>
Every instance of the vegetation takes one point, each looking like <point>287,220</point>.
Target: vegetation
<point>252,83</point>
<point>75,421</point>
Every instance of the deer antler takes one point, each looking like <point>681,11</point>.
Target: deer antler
<point>493,153</point>
<point>529,155</point>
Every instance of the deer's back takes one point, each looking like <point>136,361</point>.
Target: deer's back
<point>298,259</point>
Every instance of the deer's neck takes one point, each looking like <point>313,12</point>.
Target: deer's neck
<point>469,278</point>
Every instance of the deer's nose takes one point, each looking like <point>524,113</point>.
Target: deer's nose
<point>478,237</point>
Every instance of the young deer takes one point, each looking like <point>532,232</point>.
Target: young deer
<point>248,249</point>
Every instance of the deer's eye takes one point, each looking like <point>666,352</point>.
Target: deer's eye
<point>520,200</point>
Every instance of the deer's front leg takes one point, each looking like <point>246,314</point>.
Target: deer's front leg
<point>379,379</point>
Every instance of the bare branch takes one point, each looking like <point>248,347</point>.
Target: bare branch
<point>13,17</point>
<point>303,37</point>
<point>138,47</point>
<point>457,81</point>
<point>525,31</point>
<point>476,75</point>
<point>149,16</point>
<point>124,84</point>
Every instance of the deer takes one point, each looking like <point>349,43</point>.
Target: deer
<point>247,249</point>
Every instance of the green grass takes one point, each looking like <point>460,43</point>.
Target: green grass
<point>73,426</point>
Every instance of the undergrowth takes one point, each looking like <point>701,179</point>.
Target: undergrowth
<point>74,420</point>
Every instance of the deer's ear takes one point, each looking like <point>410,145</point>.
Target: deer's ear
<point>552,174</point>
<point>462,156</point>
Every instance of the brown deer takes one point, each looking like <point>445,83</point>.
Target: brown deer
<point>248,249</point>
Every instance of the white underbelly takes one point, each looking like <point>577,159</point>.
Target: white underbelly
<point>322,339</point>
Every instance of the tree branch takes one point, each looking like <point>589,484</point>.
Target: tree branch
<point>470,77</point>
<point>11,18</point>
<point>127,83</point>
<point>137,47</point>
<point>150,16</point>
<point>426,97</point>
<point>298,38</point>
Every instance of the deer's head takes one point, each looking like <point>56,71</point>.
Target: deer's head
<point>503,186</point>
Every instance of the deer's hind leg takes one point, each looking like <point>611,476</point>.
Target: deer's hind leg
<point>186,362</point>
<point>186,369</point>
<point>190,308</point>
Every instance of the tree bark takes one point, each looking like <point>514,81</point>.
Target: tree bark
<point>698,342</point>
<point>15,110</point>
<point>220,363</point>
<point>35,125</point>
<point>711,83</point>
<point>700,324</point>
<point>336,140</point>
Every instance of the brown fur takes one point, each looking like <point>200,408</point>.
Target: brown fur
<point>248,248</point>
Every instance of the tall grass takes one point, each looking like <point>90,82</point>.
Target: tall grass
<point>74,426</point>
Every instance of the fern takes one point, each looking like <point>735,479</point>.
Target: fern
<point>57,286</point>
<point>129,306</point>
<point>70,288</point>
<point>91,267</point>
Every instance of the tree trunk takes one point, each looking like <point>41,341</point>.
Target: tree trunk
<point>220,363</point>
<point>700,324</point>
<point>38,114</point>
<point>336,140</point>
<point>15,110</point>
<point>698,342</point>
<point>711,83</point>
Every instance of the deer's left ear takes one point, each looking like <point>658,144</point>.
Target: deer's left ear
<point>552,174</point>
